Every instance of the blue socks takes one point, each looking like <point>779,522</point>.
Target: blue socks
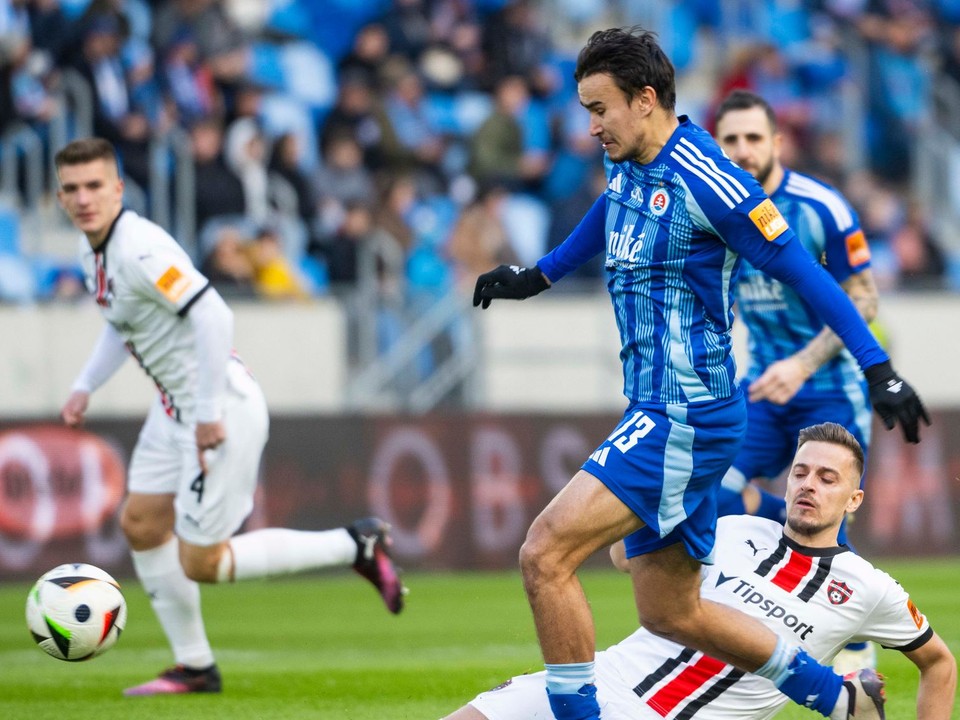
<point>803,679</point>
<point>571,691</point>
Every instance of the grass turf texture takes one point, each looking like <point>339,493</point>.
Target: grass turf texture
<point>324,647</point>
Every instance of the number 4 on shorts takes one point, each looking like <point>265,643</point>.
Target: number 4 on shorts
<point>197,486</point>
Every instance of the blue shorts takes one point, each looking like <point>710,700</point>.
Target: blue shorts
<point>665,463</point>
<point>772,432</point>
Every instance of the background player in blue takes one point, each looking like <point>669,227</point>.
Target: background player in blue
<point>674,220</point>
<point>799,373</point>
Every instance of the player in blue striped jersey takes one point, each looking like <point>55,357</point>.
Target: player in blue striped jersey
<point>675,219</point>
<point>799,373</point>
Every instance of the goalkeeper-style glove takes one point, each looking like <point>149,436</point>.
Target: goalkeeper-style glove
<point>509,282</point>
<point>895,401</point>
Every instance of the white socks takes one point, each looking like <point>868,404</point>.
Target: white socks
<point>176,602</point>
<point>277,551</point>
<point>841,709</point>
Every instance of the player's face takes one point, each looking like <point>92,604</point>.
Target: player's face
<point>823,485</point>
<point>92,195</point>
<point>619,124</point>
<point>747,139</point>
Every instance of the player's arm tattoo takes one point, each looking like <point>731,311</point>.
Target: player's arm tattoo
<point>862,291</point>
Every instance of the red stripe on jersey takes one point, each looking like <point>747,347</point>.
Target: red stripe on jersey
<point>790,575</point>
<point>681,687</point>
<point>101,280</point>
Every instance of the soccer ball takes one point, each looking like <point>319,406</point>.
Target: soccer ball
<point>76,612</point>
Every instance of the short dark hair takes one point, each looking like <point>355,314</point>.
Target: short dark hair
<point>834,434</point>
<point>744,100</point>
<point>633,58</point>
<point>86,150</point>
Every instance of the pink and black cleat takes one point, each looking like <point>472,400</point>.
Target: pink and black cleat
<point>374,562</point>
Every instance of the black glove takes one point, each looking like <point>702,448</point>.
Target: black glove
<point>509,282</point>
<point>895,401</point>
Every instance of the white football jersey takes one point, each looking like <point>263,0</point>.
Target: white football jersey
<point>821,598</point>
<point>144,283</point>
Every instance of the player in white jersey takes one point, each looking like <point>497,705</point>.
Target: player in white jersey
<point>194,469</point>
<point>793,578</point>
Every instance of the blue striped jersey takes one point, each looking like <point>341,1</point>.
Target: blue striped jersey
<point>673,231</point>
<point>780,323</point>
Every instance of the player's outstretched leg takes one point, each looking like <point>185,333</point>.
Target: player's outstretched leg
<point>374,562</point>
<point>180,679</point>
<point>867,698</point>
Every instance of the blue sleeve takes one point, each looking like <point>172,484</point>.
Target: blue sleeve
<point>586,240</point>
<point>792,265</point>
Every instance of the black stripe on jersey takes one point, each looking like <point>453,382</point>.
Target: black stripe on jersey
<point>661,672</point>
<point>103,246</point>
<point>919,642</point>
<point>182,312</point>
<point>816,582</point>
<point>775,557</point>
<point>710,695</point>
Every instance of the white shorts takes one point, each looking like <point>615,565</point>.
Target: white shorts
<point>209,507</point>
<point>525,698</point>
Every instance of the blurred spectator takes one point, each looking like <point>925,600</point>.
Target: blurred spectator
<point>273,276</point>
<point>227,266</point>
<point>371,48</point>
<point>343,250</point>
<point>515,42</point>
<point>407,28</point>
<point>285,161</point>
<point>410,141</point>
<point>354,113</point>
<point>115,117</point>
<point>498,150</point>
<point>66,285</point>
<point>219,42</point>
<point>31,84</point>
<point>456,25</point>
<point>245,150</point>
<point>897,82</point>
<point>218,189</point>
<point>187,81</point>
<point>50,30</point>
<point>479,239</point>
<point>341,179</point>
<point>398,199</point>
<point>566,213</point>
<point>921,263</point>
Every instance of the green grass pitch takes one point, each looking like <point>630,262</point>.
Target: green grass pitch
<point>323,647</point>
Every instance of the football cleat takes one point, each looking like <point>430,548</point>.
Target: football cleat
<point>178,680</point>
<point>373,562</point>
<point>866,696</point>
<point>850,660</point>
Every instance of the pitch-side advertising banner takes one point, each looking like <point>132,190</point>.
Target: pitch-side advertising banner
<point>459,489</point>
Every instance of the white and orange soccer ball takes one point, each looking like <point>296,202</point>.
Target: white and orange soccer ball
<point>76,612</point>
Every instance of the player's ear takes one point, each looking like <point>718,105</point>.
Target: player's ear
<point>855,501</point>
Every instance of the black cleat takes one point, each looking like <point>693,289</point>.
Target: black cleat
<point>374,561</point>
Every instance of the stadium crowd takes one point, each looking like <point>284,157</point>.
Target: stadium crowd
<point>445,136</point>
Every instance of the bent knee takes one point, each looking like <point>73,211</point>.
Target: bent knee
<point>668,624</point>
<point>201,564</point>
<point>145,530</point>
